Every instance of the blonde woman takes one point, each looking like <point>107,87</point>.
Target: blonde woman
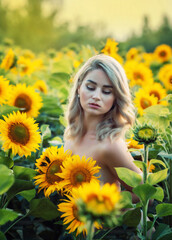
<point>100,111</point>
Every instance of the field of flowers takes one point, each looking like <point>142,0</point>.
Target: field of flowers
<point>46,193</point>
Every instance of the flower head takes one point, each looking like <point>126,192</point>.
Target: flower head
<point>76,171</point>
<point>26,99</point>
<point>41,86</point>
<point>144,100</point>
<point>138,73</point>
<point>48,166</point>
<point>163,53</point>
<point>145,134</point>
<point>4,90</point>
<point>20,133</point>
<point>9,60</point>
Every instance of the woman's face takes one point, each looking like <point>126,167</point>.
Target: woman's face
<point>96,93</point>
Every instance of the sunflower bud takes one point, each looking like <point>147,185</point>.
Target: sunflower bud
<point>145,134</point>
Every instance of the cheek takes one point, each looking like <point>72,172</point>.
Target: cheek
<point>109,102</point>
<point>84,96</point>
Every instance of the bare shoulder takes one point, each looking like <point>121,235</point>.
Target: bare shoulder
<point>116,154</point>
<point>116,147</point>
<point>68,145</point>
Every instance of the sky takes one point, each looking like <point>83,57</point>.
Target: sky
<point>120,18</point>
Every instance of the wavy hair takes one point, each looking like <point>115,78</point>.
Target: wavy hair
<point>121,116</point>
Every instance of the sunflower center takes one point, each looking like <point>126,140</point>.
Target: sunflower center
<point>145,103</point>
<point>75,212</point>
<point>51,172</point>
<point>170,79</point>
<point>0,90</point>
<point>163,53</point>
<point>156,94</point>
<point>138,76</point>
<point>18,133</point>
<point>146,133</point>
<point>79,176</point>
<point>99,204</point>
<point>23,102</point>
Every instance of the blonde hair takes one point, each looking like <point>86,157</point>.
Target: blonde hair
<point>121,116</point>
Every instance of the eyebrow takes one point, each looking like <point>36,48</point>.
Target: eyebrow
<point>91,81</point>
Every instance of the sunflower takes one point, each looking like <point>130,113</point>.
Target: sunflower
<point>26,99</point>
<point>138,73</point>
<point>143,100</point>
<point>110,47</point>
<point>20,133</point>
<point>132,54</point>
<point>41,86</point>
<point>9,60</point>
<point>48,165</point>
<point>76,171</point>
<point>167,80</point>
<point>24,67</point>
<point>163,71</point>
<point>99,199</point>
<point>148,58</point>
<point>145,134</point>
<point>70,214</point>
<point>156,90</point>
<point>28,54</point>
<point>163,53</point>
<point>151,167</point>
<point>4,90</point>
<point>131,143</point>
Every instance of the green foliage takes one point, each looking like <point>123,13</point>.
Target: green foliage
<point>6,178</point>
<point>7,215</point>
<point>43,208</point>
<point>131,178</point>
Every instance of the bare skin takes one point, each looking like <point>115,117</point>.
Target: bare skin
<point>96,98</point>
<point>107,155</point>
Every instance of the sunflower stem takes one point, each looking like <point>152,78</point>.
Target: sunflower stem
<point>9,153</point>
<point>19,219</point>
<point>146,150</point>
<point>145,207</point>
<point>90,230</point>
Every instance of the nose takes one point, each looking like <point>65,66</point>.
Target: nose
<point>97,94</point>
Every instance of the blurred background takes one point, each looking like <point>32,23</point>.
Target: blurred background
<point>53,24</point>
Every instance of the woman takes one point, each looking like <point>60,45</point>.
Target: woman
<point>99,113</point>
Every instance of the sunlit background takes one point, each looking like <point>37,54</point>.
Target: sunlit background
<point>42,24</point>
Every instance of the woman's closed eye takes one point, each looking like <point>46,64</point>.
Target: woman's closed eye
<point>90,87</point>
<point>107,91</point>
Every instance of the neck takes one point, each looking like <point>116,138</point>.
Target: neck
<point>90,124</point>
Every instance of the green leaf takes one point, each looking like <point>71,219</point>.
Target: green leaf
<point>43,208</point>
<point>28,194</point>
<point>6,178</point>
<point>140,164</point>
<point>128,176</point>
<point>144,192</point>
<point>159,194</point>
<point>6,109</point>
<point>154,178</point>
<point>2,236</point>
<point>24,173</point>
<point>46,132</point>
<point>6,160</point>
<point>63,121</point>
<point>156,161</point>
<point>126,199</point>
<point>164,209</point>
<point>19,186</point>
<point>161,230</point>
<point>132,217</point>
<point>7,215</point>
<point>165,155</point>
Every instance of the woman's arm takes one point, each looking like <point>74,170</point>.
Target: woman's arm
<point>116,155</point>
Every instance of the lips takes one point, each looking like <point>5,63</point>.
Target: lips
<point>94,105</point>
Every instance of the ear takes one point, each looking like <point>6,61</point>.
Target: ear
<point>78,90</point>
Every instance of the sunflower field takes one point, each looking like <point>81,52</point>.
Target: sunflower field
<point>49,194</point>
